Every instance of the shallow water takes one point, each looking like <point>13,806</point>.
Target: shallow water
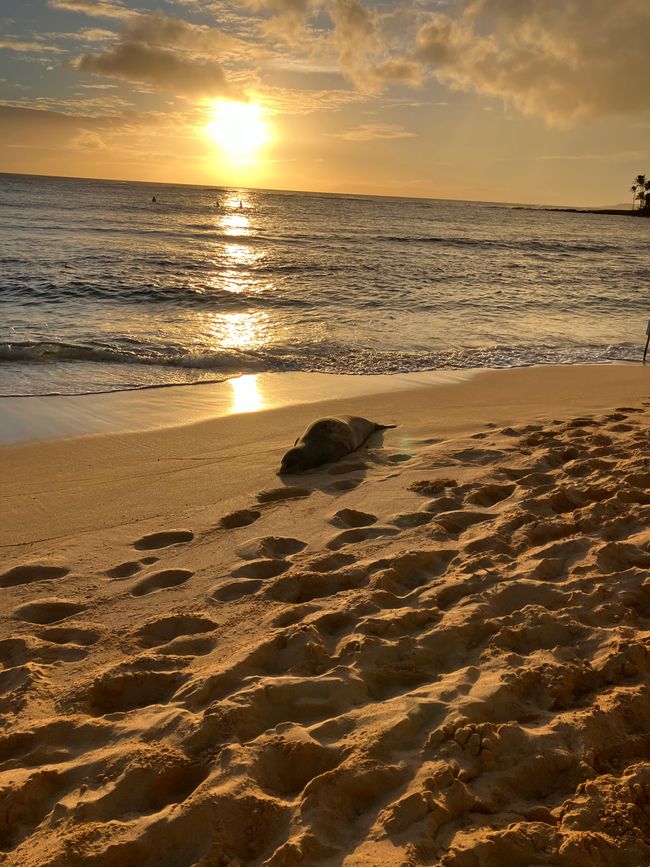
<point>102,289</point>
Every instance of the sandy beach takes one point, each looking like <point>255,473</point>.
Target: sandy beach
<point>434,651</point>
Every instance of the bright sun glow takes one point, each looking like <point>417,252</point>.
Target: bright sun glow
<point>239,128</point>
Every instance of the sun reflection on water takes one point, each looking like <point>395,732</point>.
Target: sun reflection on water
<point>235,224</point>
<point>232,272</point>
<point>245,394</point>
<point>240,254</point>
<point>239,330</point>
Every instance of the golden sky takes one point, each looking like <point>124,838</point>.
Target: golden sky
<point>541,101</point>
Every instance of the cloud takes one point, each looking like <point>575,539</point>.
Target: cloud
<point>94,8</point>
<point>281,7</point>
<point>159,29</point>
<point>357,40</point>
<point>556,59</point>
<point>159,67</point>
<point>342,34</point>
<point>168,54</point>
<point>376,131</point>
<point>399,70</point>
<point>294,101</point>
<point>28,46</point>
<point>95,34</point>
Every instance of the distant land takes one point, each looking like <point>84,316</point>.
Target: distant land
<point>644,212</point>
<point>615,210</point>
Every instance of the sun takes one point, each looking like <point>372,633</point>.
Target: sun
<point>239,128</point>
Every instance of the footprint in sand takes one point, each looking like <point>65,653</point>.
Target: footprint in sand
<point>331,562</point>
<point>30,573</point>
<point>46,610</point>
<point>618,556</point>
<point>84,636</point>
<point>286,764</point>
<point>477,457</point>
<point>443,504</point>
<point>236,590</point>
<point>189,645</point>
<point>343,485</point>
<point>165,629</point>
<point>122,690</point>
<point>352,518</point>
<point>16,652</point>
<point>411,519</point>
<point>582,421</point>
<point>276,495</point>
<point>166,778</point>
<point>431,487</point>
<point>161,581</point>
<point>124,570</point>
<point>262,569</point>
<point>490,495</point>
<point>163,540</point>
<point>270,547</point>
<point>457,522</point>
<point>240,518</point>
<point>361,534</point>
<point>399,458</point>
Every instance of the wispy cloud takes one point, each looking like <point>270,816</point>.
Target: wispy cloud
<point>376,131</point>
<point>95,8</point>
<point>29,46</point>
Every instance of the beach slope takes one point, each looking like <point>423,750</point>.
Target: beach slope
<point>434,651</point>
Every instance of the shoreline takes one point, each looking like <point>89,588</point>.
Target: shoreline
<point>29,418</point>
<point>39,418</point>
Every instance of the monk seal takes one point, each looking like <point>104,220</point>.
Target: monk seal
<point>327,440</point>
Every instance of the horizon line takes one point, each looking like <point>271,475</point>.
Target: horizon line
<point>300,192</point>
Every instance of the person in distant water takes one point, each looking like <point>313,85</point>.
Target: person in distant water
<point>154,199</point>
<point>241,206</point>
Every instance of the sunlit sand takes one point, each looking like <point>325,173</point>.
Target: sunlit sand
<point>433,647</point>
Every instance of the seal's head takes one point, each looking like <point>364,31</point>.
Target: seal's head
<point>296,460</point>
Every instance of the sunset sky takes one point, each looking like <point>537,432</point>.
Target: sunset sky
<point>543,101</point>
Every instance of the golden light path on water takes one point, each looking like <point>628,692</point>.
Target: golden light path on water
<point>241,331</point>
<point>238,330</point>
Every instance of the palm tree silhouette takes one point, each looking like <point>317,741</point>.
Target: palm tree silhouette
<point>642,185</point>
<point>633,190</point>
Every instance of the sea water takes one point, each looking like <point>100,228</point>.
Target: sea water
<point>103,289</point>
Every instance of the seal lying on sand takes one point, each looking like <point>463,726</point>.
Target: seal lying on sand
<point>328,439</point>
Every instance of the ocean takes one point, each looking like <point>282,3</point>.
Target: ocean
<point>103,289</point>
